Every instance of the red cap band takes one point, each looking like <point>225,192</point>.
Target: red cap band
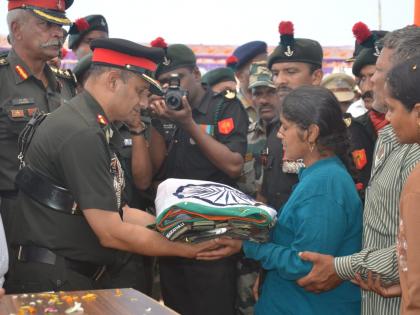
<point>56,5</point>
<point>120,59</point>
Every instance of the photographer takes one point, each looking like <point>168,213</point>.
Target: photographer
<point>200,136</point>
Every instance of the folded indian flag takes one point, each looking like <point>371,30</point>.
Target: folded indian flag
<point>195,210</point>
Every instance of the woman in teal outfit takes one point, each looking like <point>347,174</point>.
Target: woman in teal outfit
<point>323,214</point>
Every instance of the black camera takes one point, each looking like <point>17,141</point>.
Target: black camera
<point>174,93</point>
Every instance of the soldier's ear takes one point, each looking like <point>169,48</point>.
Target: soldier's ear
<point>317,76</point>
<point>112,79</point>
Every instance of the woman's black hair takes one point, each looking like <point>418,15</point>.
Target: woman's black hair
<point>314,105</point>
<point>403,82</point>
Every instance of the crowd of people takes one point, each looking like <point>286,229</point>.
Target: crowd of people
<point>83,151</point>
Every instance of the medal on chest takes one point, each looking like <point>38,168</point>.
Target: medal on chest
<point>118,178</point>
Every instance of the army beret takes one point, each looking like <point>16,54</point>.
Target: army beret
<point>82,66</point>
<point>53,11</point>
<point>177,56</point>
<point>81,27</point>
<point>127,55</point>
<point>367,47</point>
<point>218,75</point>
<point>249,51</point>
<point>293,49</point>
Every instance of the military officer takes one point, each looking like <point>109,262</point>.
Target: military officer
<point>293,63</point>
<point>204,138</point>
<point>245,55</point>
<point>364,128</point>
<point>27,84</point>
<point>84,30</point>
<point>70,190</point>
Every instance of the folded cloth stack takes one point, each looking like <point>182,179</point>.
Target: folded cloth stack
<point>194,211</point>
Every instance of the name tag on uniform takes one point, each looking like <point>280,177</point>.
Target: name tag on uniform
<point>128,142</point>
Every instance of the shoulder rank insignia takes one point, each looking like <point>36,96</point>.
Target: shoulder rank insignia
<point>64,73</point>
<point>102,120</point>
<point>230,95</point>
<point>359,158</point>
<point>347,121</point>
<point>21,72</point>
<point>225,126</point>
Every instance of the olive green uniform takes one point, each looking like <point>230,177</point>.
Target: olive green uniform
<point>70,149</point>
<point>21,94</point>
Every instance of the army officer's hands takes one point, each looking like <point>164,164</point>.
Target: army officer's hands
<point>226,247</point>
<point>183,116</point>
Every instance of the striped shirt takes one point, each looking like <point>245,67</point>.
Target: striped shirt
<point>392,164</point>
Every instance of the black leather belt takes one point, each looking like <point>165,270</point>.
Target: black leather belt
<point>43,255</point>
<point>41,189</point>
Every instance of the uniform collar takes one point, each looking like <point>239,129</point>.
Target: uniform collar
<point>95,107</point>
<point>203,107</point>
<point>21,71</point>
<point>306,171</point>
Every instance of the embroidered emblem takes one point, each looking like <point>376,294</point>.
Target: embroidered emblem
<point>226,126</point>
<point>359,158</point>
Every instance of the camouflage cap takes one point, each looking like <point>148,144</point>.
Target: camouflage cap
<point>260,75</point>
<point>342,85</point>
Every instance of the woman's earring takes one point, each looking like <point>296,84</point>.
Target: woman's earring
<point>311,146</point>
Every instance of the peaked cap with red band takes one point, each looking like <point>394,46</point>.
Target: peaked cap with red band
<point>49,10</point>
<point>127,55</point>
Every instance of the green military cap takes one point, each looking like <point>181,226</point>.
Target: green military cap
<point>293,49</point>
<point>82,66</point>
<point>260,75</point>
<point>83,26</point>
<point>367,47</point>
<point>177,56</point>
<point>218,75</point>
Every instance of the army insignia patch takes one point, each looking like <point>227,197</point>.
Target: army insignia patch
<point>31,111</point>
<point>21,72</point>
<point>17,113</point>
<point>226,126</point>
<point>359,158</point>
<point>101,120</point>
<point>230,94</point>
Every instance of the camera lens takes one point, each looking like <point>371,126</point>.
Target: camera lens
<point>173,101</point>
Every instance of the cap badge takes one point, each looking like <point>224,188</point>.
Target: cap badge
<point>166,61</point>
<point>289,52</point>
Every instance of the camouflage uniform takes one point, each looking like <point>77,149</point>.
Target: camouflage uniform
<point>251,177</point>
<point>249,108</point>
